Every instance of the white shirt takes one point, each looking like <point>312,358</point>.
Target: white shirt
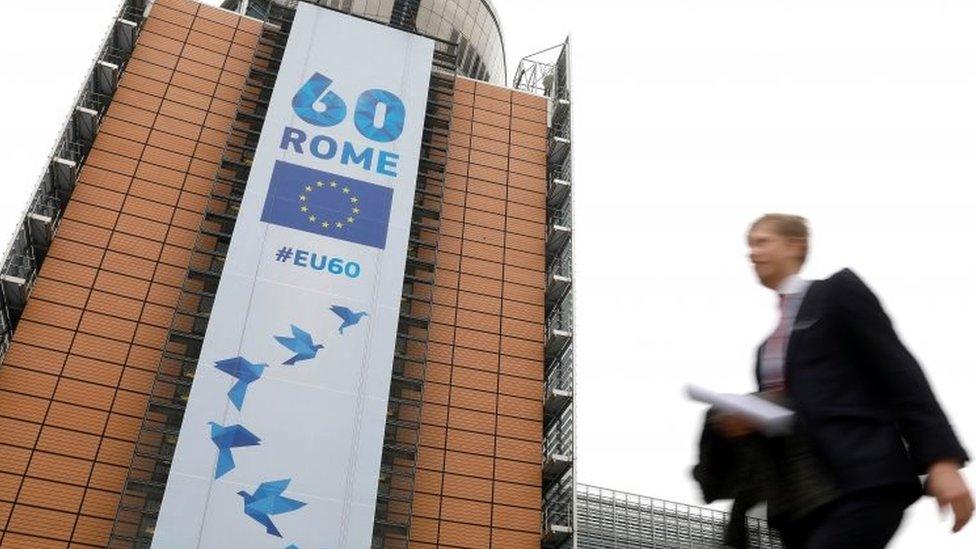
<point>772,359</point>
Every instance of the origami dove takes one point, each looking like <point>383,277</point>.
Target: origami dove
<point>267,501</point>
<point>246,373</point>
<point>348,317</point>
<point>301,344</point>
<point>232,436</point>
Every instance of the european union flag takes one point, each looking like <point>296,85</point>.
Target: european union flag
<point>328,204</point>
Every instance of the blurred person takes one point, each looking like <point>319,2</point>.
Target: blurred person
<point>866,409</point>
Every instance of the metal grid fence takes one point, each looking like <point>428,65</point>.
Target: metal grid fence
<point>608,519</point>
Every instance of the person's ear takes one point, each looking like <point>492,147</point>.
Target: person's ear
<point>798,245</point>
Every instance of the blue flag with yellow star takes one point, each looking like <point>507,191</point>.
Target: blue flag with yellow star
<point>328,204</point>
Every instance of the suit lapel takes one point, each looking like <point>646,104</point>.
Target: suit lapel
<point>809,310</point>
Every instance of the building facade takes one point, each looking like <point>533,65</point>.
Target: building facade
<point>110,281</point>
<point>609,519</point>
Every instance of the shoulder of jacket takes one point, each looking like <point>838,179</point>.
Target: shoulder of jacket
<point>846,285</point>
<point>844,276</point>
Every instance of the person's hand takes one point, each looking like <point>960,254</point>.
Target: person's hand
<point>949,489</point>
<point>732,425</point>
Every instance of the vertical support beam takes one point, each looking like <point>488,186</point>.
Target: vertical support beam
<point>85,122</point>
<point>125,33</point>
<point>106,77</point>
<point>63,174</point>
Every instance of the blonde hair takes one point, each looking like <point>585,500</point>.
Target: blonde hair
<point>788,225</point>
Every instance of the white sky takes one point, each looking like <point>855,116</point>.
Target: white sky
<point>692,117</point>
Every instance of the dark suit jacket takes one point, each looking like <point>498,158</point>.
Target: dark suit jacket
<point>869,410</point>
<point>782,471</point>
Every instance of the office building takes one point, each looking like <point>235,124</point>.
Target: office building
<point>117,304</point>
<point>611,519</point>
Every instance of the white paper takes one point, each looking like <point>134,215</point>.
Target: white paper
<point>772,419</point>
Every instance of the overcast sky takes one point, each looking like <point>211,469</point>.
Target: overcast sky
<point>692,117</point>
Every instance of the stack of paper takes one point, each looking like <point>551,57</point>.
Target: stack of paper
<point>771,419</point>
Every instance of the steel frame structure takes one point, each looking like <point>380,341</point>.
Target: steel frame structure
<point>547,73</point>
<point>29,244</point>
<point>611,519</point>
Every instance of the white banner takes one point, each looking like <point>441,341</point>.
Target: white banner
<point>280,445</point>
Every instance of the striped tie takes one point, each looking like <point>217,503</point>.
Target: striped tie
<point>774,352</point>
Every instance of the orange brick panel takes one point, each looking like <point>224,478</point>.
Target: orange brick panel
<point>13,459</point>
<point>35,358</point>
<point>78,231</point>
<point>485,358</point>
<point>29,382</point>
<point>73,383</point>
<point>464,535</point>
<point>520,367</point>
<point>468,441</point>
<point>513,539</point>
<point>97,196</point>
<point>481,285</point>
<point>477,340</point>
<point>466,511</point>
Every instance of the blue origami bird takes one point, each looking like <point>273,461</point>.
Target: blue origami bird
<point>301,344</point>
<point>232,436</point>
<point>245,372</point>
<point>348,317</point>
<point>266,501</point>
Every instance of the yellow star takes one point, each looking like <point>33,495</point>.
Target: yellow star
<point>304,209</point>
<point>308,188</point>
<point>354,200</point>
<point>345,190</point>
<point>355,210</point>
<point>349,219</point>
<point>333,184</point>
<point>311,218</point>
<point>301,197</point>
<point>338,224</point>
<point>320,184</point>
<point>325,224</point>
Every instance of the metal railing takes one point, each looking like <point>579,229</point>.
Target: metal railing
<point>560,130</point>
<point>20,266</point>
<point>620,520</point>
<point>559,373</point>
<point>561,263</point>
<point>560,318</point>
<point>563,172</point>
<point>47,206</point>
<point>557,503</point>
<point>28,245</point>
<point>562,216</point>
<point>558,439</point>
<point>545,73</point>
<point>534,71</point>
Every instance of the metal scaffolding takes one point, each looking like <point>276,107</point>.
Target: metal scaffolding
<point>609,519</point>
<point>547,73</point>
<point>30,242</point>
